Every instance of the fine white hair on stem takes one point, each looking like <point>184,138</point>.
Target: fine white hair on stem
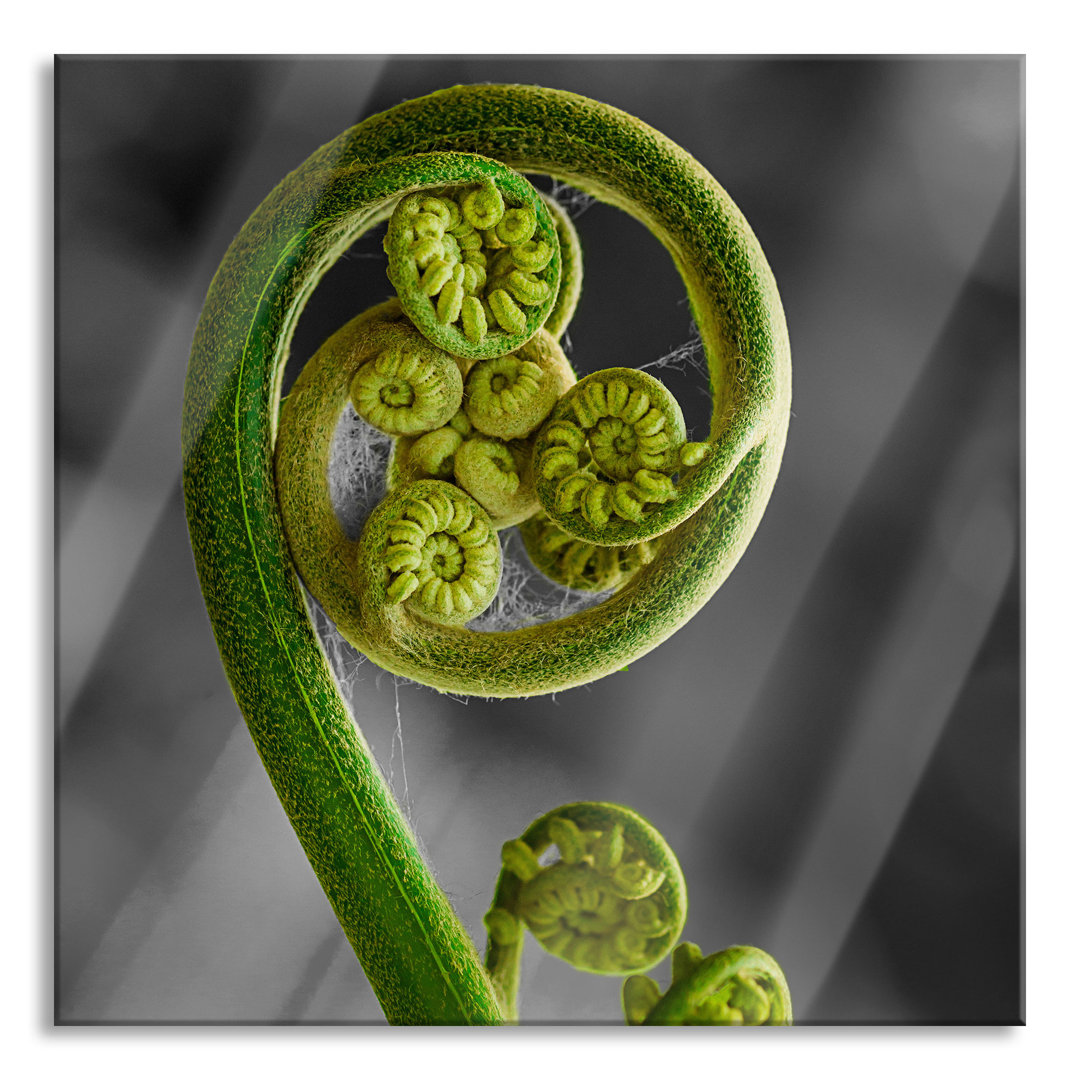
<point>344,660</point>
<point>399,741</point>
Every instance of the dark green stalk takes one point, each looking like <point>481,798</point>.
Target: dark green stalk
<point>420,961</point>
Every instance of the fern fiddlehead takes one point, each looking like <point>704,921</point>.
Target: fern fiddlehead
<point>610,463</point>
<point>741,985</point>
<point>604,459</point>
<point>613,903</point>
<point>402,386</point>
<point>499,476</point>
<point>510,396</point>
<point>439,554</point>
<point>471,301</point>
<point>577,564</point>
<point>476,266</point>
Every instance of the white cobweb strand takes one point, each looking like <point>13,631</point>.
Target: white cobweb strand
<point>571,199</point>
<point>356,476</point>
<point>344,660</point>
<point>691,354</point>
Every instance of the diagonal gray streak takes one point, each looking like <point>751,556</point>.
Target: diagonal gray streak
<point>120,507</point>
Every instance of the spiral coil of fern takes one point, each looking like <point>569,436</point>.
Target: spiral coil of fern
<point>741,985</point>
<point>416,954</point>
<point>611,465</point>
<point>578,564</point>
<point>614,903</point>
<point>439,554</point>
<point>476,266</point>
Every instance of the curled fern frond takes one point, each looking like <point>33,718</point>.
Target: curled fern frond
<point>612,903</point>
<point>433,549</point>
<point>604,460</point>
<point>403,385</point>
<point>510,396</point>
<point>476,266</point>
<point>476,283</point>
<point>498,475</point>
<point>739,986</point>
<point>577,564</point>
<point>611,466</point>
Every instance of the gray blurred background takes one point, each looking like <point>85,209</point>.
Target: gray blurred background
<point>832,746</point>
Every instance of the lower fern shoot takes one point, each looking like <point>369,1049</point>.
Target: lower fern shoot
<point>739,986</point>
<point>598,886</point>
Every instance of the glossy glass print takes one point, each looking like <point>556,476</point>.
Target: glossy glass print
<point>829,744</point>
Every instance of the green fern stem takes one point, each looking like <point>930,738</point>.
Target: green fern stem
<point>419,959</point>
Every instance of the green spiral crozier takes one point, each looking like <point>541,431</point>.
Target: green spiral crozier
<point>605,460</point>
<point>613,902</point>
<point>740,986</point>
<point>484,269</point>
